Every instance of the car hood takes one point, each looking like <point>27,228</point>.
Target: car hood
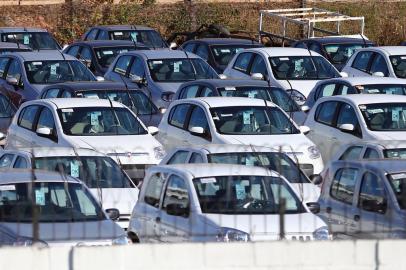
<point>266,227</point>
<point>303,86</point>
<point>69,232</point>
<point>382,135</point>
<point>123,199</point>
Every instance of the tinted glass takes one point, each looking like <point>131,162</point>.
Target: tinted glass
<point>371,154</point>
<point>352,153</point>
<point>242,62</point>
<point>52,93</point>
<point>340,53</point>
<point>149,38</point>
<point>326,111</point>
<point>27,117</point>
<point>176,193</point>
<point>122,65</point>
<point>259,66</point>
<point>34,40</point>
<point>14,70</point>
<point>153,190</point>
<point>224,53</point>
<point>343,185</point>
<point>395,89</point>
<point>326,90</point>
<point>189,92</point>
<point>20,163</point>
<point>196,158</point>
<point>395,153</point>
<point>202,51</point>
<point>6,108</point>
<point>5,160</point>
<point>179,157</point>
<point>347,115</point>
<point>3,65</point>
<point>372,194</point>
<point>385,116</point>
<point>379,65</point>
<point>399,65</point>
<point>137,67</point>
<point>198,119</point>
<point>178,114</point>
<point>46,120</point>
<point>398,184</point>
<point>362,60</point>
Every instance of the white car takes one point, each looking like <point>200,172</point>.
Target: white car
<point>385,61</point>
<point>250,156</point>
<point>219,202</point>
<point>101,125</point>
<point>232,120</point>
<point>101,174</point>
<point>355,85</point>
<point>339,120</point>
<point>288,68</point>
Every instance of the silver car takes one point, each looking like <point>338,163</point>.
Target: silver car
<point>67,213</point>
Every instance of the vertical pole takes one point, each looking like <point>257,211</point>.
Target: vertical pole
<point>191,10</point>
<point>260,26</point>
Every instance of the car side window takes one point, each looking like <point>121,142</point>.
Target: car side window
<point>177,116</point>
<point>103,35</point>
<point>86,54</point>
<point>176,193</point>
<point>379,65</point>
<point>153,190</point>
<point>3,65</point>
<point>371,154</point>
<point>137,68</point>
<point>5,160</point>
<point>6,109</point>
<point>14,70</point>
<point>372,196</point>
<point>179,157</point>
<point>46,120</point>
<point>325,90</point>
<point>301,45</point>
<point>27,117</point>
<point>343,185</point>
<point>242,62</point>
<point>347,115</point>
<point>92,34</point>
<point>352,153</point>
<point>325,112</point>
<point>52,93</point>
<point>189,92</point>
<point>196,158</point>
<point>189,47</point>
<point>259,66</point>
<point>20,163</point>
<point>73,51</point>
<point>66,94</point>
<point>198,119</point>
<point>202,51</point>
<point>315,47</point>
<point>206,92</point>
<point>362,60</point>
<point>122,65</point>
<point>345,90</point>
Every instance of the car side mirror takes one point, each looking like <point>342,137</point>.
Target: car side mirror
<point>173,46</point>
<point>344,74</point>
<point>257,76</point>
<point>175,209</point>
<point>12,81</point>
<point>316,179</point>
<point>378,74</point>
<point>197,131</point>
<point>136,79</point>
<point>2,136</point>
<point>314,207</point>
<point>162,110</point>
<point>305,108</point>
<point>304,129</point>
<point>167,96</point>
<point>347,128</point>
<point>44,132</point>
<point>153,130</point>
<point>99,78</point>
<point>113,213</point>
<point>223,76</point>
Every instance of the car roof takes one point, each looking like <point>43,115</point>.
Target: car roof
<point>228,148</point>
<point>11,45</point>
<point>43,55</point>
<point>391,50</point>
<point>163,54</point>
<point>92,85</point>
<point>228,101</point>
<point>54,151</point>
<point>285,51</point>
<point>228,82</point>
<point>367,80</point>
<point>62,103</point>
<point>21,29</point>
<point>123,27</point>
<point>326,40</point>
<point>367,99</point>
<point>13,176</point>
<point>108,43</point>
<point>227,41</point>
<point>210,170</point>
<point>388,144</point>
<point>387,165</point>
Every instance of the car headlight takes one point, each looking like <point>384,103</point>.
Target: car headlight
<point>159,152</point>
<point>322,233</point>
<point>122,240</point>
<point>313,152</point>
<point>232,235</point>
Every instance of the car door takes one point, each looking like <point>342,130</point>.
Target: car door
<point>239,68</point>
<point>175,215</point>
<point>23,134</point>
<point>379,66</point>
<point>361,64</point>
<point>45,120</point>
<point>259,66</point>
<point>198,118</point>
<point>15,91</point>
<point>175,133</point>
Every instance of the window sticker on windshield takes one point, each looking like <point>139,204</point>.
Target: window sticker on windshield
<point>53,69</point>
<point>374,111</point>
<point>92,95</point>
<point>94,118</point>
<point>26,39</point>
<point>225,50</point>
<point>208,180</point>
<point>37,63</point>
<point>284,58</point>
<point>395,113</point>
<point>373,91</point>
<point>230,88</point>
<point>67,110</point>
<point>176,66</point>
<point>134,36</point>
<point>240,192</point>
<point>390,91</point>
<point>250,161</point>
<point>74,168</point>
<point>246,118</point>
<point>7,187</point>
<point>156,62</point>
<point>40,196</point>
<point>118,33</point>
<point>226,115</point>
<point>398,176</point>
<point>298,64</point>
<point>252,94</point>
<point>362,107</point>
<point>107,52</point>
<point>403,57</point>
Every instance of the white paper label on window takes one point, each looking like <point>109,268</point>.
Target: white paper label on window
<point>208,180</point>
<point>74,168</point>
<point>225,50</point>
<point>298,64</point>
<point>134,36</point>
<point>156,62</point>
<point>53,69</point>
<point>26,39</point>
<point>246,118</point>
<point>250,161</point>
<point>398,176</point>
<point>92,95</point>
<point>284,58</point>
<point>176,66</point>
<point>7,187</point>
<point>67,110</point>
<point>37,63</point>
<point>108,52</point>
<point>395,113</point>
<point>118,33</point>
<point>252,94</point>
<point>40,197</point>
<point>373,91</point>
<point>230,88</point>
<point>240,192</point>
<point>94,118</point>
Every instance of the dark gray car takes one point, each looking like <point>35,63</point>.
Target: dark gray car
<point>365,199</point>
<point>35,38</point>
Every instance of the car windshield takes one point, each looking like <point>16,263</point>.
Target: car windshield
<point>275,161</point>
<point>250,120</point>
<point>55,201</point>
<point>247,195</point>
<point>399,65</point>
<point>99,121</point>
<point>149,38</point>
<point>276,95</point>
<point>385,116</point>
<point>34,40</point>
<point>340,53</point>
<point>49,72</point>
<point>397,153</point>
<point>224,53</point>
<point>180,70</point>
<point>95,172</point>
<point>136,100</point>
<point>106,55</point>
<point>395,89</point>
<point>398,184</point>
<point>302,68</point>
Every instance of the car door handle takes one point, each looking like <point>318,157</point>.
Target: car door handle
<point>157,219</point>
<point>357,217</point>
<point>334,138</point>
<point>328,209</point>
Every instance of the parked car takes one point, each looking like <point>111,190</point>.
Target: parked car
<point>218,52</point>
<point>233,120</point>
<point>242,88</point>
<point>339,120</point>
<point>105,126</point>
<point>133,98</point>
<point>35,38</point>
<point>137,33</point>
<point>7,111</point>
<point>159,73</point>
<point>355,85</point>
<point>68,214</point>
<point>97,55</point>
<point>385,61</point>
<point>291,69</point>
<point>365,199</point>
<point>23,75</point>
<point>248,155</point>
<point>336,49</point>
<point>219,203</point>
<point>7,47</point>
<point>108,183</point>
